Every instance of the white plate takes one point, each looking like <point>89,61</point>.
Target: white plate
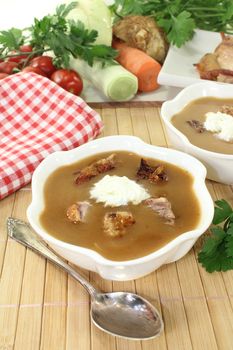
<point>178,68</point>
<point>164,93</point>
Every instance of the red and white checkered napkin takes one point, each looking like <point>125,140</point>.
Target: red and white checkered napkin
<point>37,117</point>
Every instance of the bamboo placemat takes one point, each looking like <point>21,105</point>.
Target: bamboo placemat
<point>42,308</point>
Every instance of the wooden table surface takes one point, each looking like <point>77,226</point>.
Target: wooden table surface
<point>43,308</point>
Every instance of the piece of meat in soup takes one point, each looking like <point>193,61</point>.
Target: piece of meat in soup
<point>196,125</point>
<point>116,223</point>
<point>77,211</point>
<point>96,168</point>
<point>162,207</point>
<point>152,173</point>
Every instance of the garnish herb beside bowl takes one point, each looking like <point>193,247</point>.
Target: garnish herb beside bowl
<point>217,251</point>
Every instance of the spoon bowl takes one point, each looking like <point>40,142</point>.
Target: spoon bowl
<point>122,314</point>
<point>127,315</point>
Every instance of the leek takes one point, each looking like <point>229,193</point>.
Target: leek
<point>115,82</point>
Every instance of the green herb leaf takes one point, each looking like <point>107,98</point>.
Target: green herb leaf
<point>63,10</point>
<point>217,261</point>
<point>229,247</point>
<point>181,28</point>
<point>12,38</point>
<point>126,7</point>
<point>221,211</point>
<point>229,13</point>
<point>217,251</point>
<point>212,243</point>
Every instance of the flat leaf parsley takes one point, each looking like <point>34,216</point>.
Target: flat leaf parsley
<point>64,37</point>
<point>217,250</point>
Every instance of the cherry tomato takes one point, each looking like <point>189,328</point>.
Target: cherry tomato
<point>3,75</point>
<point>45,63</point>
<point>20,58</point>
<point>36,70</point>
<point>7,67</point>
<point>25,48</point>
<point>68,80</point>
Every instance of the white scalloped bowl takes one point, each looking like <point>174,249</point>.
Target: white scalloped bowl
<point>219,166</point>
<point>91,260</point>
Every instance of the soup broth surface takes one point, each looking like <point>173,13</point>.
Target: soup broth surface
<point>150,231</point>
<point>196,110</point>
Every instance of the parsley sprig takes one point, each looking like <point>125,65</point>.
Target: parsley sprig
<point>217,250</point>
<point>65,37</point>
<point>179,18</point>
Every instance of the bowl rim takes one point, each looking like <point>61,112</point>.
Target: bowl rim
<point>97,257</point>
<point>183,92</point>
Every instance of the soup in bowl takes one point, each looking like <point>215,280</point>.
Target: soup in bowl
<point>199,121</point>
<point>120,207</point>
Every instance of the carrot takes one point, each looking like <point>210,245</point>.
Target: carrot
<point>144,67</point>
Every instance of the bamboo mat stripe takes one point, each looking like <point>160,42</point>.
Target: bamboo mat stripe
<point>41,308</point>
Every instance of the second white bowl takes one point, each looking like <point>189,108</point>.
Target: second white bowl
<point>219,166</point>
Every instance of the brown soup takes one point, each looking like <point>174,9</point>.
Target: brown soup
<point>196,110</point>
<point>149,232</point>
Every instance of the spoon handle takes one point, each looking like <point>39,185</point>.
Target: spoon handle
<point>24,234</point>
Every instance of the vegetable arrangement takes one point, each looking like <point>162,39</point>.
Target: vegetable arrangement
<point>23,50</point>
<point>77,50</point>
<point>179,18</point>
<point>75,42</point>
<point>113,80</point>
<point>217,250</point>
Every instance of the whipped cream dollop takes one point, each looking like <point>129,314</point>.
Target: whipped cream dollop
<point>115,191</point>
<point>220,124</point>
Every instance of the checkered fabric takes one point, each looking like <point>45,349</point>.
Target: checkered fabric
<point>37,117</point>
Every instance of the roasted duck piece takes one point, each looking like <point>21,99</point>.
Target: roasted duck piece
<point>227,109</point>
<point>116,223</point>
<point>218,65</point>
<point>196,125</point>
<point>99,167</point>
<point>77,211</point>
<point>151,173</point>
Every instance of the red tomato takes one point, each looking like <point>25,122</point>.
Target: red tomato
<point>3,75</point>
<point>25,48</point>
<point>16,59</point>
<point>68,80</point>
<point>36,70</point>
<point>20,58</point>
<point>45,63</point>
<point>7,67</point>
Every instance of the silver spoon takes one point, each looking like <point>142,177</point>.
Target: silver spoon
<point>119,313</point>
